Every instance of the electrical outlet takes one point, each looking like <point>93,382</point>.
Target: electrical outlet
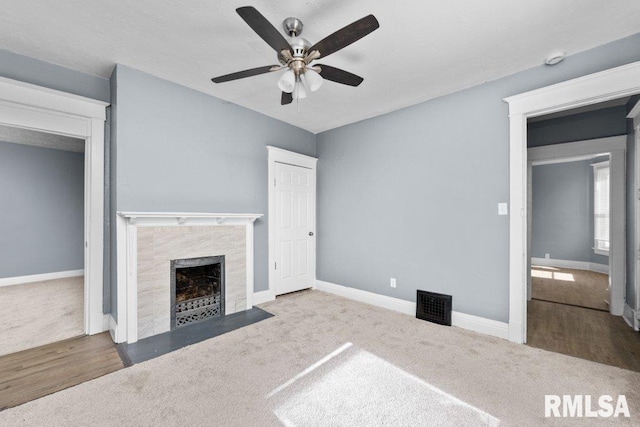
<point>393,282</point>
<point>547,256</point>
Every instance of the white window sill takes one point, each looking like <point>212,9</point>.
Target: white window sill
<point>600,252</point>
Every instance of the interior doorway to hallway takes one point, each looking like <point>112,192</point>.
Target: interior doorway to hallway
<point>577,232</point>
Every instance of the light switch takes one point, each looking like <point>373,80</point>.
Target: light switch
<point>503,209</point>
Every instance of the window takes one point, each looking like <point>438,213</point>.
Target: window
<point>601,208</point>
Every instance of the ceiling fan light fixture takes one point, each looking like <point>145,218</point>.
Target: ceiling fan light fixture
<point>295,53</point>
<point>299,92</point>
<point>313,80</point>
<point>287,81</point>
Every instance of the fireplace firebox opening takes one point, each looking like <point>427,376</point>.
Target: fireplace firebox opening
<point>197,289</point>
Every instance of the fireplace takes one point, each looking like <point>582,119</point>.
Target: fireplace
<point>197,289</point>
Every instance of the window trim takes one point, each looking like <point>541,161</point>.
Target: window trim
<point>596,166</point>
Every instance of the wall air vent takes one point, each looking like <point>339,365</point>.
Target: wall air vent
<point>433,307</point>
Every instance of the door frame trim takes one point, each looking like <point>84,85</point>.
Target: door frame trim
<point>590,89</point>
<point>38,108</point>
<point>634,115</point>
<point>615,147</point>
<point>279,155</point>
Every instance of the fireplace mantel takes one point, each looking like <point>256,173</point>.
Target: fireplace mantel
<point>124,326</point>
<point>159,219</point>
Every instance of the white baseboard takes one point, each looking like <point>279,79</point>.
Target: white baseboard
<point>19,280</point>
<point>460,320</point>
<point>576,265</point>
<point>395,304</point>
<point>106,322</point>
<point>630,316</point>
<point>115,333</point>
<point>480,324</point>
<point>599,268</point>
<point>263,296</point>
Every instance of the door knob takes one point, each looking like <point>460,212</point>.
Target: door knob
<point>311,233</point>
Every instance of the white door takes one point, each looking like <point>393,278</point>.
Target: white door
<point>295,228</point>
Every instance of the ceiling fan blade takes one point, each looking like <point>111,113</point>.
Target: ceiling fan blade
<point>339,76</point>
<point>245,73</point>
<point>286,98</point>
<point>345,36</point>
<point>263,28</point>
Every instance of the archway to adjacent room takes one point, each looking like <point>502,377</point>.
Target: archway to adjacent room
<point>30,107</point>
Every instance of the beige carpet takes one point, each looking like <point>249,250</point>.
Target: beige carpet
<point>325,360</point>
<point>39,313</point>
<point>569,286</point>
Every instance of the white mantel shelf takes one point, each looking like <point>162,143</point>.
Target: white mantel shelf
<point>188,218</point>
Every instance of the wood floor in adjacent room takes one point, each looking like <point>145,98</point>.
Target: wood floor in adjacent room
<point>570,286</point>
<point>37,372</point>
<point>559,321</point>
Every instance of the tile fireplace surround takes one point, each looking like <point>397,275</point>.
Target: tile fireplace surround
<point>148,241</point>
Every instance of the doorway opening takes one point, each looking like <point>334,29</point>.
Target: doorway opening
<point>576,93</point>
<point>62,116</point>
<point>42,182</point>
<point>577,232</point>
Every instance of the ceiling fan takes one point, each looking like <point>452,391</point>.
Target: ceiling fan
<point>295,56</point>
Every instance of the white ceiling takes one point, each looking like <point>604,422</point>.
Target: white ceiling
<point>41,139</point>
<point>422,50</point>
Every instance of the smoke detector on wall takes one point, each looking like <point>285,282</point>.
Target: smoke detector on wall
<point>554,58</point>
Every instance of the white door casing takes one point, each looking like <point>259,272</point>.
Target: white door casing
<point>292,217</point>
<point>33,107</point>
<point>634,115</point>
<point>615,147</point>
<point>294,231</point>
<point>591,89</point>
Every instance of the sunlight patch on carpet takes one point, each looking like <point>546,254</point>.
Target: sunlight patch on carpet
<point>566,277</point>
<point>311,368</point>
<point>356,387</point>
<point>542,274</point>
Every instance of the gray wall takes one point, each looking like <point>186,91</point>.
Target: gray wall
<point>181,150</point>
<point>577,127</point>
<point>561,218</point>
<point>413,194</point>
<point>34,71</point>
<point>42,210</point>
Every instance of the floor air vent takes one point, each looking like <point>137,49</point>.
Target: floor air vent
<point>434,307</point>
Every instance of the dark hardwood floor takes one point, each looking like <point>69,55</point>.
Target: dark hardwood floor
<point>569,286</point>
<point>37,372</point>
<point>587,333</point>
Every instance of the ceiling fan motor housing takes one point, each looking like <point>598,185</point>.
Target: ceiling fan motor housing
<point>299,46</point>
<point>292,26</point>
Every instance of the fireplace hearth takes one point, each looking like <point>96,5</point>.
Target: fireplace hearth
<point>197,289</point>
